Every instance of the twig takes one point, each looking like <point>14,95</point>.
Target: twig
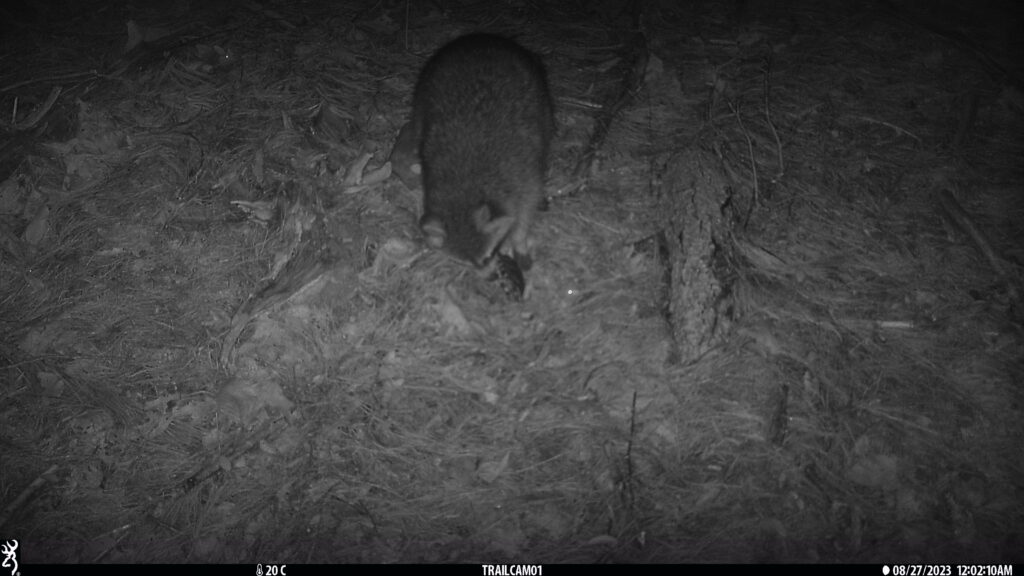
<point>118,534</point>
<point>25,494</point>
<point>40,112</point>
<point>963,221</point>
<point>753,163</point>
<point>631,70</point>
<point>768,117</point>
<point>48,79</point>
<point>887,124</point>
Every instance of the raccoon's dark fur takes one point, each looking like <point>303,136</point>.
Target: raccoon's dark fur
<point>483,116</point>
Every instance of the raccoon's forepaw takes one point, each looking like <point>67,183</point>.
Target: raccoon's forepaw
<point>433,231</point>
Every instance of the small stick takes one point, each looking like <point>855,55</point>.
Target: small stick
<point>768,118</point>
<point>962,220</point>
<point>25,494</point>
<point>952,210</point>
<point>43,110</point>
<point>753,162</point>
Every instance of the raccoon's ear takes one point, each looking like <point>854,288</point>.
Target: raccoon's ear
<point>481,217</point>
<point>433,231</point>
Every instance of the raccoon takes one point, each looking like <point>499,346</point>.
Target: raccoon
<point>483,116</point>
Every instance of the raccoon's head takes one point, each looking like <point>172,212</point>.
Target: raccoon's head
<point>478,239</point>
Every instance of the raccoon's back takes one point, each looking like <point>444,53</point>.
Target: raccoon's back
<point>482,101</point>
<point>484,116</point>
